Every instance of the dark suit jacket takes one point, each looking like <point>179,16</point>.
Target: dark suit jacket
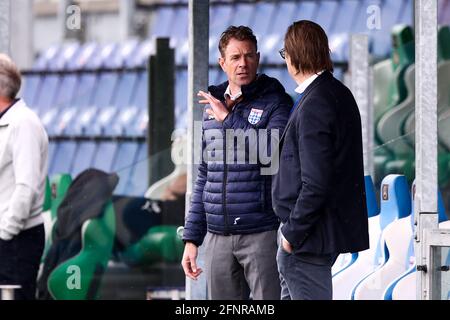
<point>318,192</point>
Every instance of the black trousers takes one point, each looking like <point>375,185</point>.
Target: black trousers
<point>19,261</point>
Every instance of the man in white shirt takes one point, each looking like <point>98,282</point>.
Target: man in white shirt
<point>23,171</point>
<point>318,192</point>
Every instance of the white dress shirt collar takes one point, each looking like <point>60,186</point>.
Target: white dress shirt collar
<point>232,97</point>
<point>302,86</point>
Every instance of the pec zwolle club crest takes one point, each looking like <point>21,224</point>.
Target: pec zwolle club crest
<point>255,116</point>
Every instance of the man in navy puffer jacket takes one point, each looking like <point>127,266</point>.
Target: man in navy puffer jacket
<point>231,202</point>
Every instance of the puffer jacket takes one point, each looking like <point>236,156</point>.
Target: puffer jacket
<point>235,198</point>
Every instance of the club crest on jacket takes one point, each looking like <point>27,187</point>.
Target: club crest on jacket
<point>255,116</point>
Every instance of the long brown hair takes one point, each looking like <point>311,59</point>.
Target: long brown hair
<point>306,43</point>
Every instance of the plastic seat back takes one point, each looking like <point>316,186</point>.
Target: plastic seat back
<point>395,209</point>
<point>79,278</point>
<point>59,184</point>
<point>57,188</point>
<point>403,287</point>
<point>345,260</point>
<point>394,204</point>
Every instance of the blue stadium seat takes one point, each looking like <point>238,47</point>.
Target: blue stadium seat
<point>138,183</point>
<point>123,165</point>
<point>444,12</point>
<point>181,99</point>
<point>371,199</point>
<point>49,88</point>
<point>32,83</point>
<point>90,85</point>
<point>220,18</point>
<point>326,14</point>
<point>30,88</point>
<point>64,110</point>
<point>104,156</point>
<point>346,260</point>
<point>83,158</point>
<point>63,157</point>
<point>409,263</point>
<point>339,38</point>
<point>127,158</point>
<point>273,41</point>
<point>139,126</point>
<point>179,36</point>
<point>282,75</point>
<point>70,152</point>
<point>164,20</point>
<point>51,153</point>
<point>394,204</point>
<point>60,88</point>
<point>104,100</point>
<point>243,14</point>
<point>140,56</point>
<point>397,238</point>
<point>128,112</point>
<point>122,98</point>
<point>407,12</point>
<point>214,76</point>
<point>264,14</point>
<point>124,86</point>
<point>306,10</point>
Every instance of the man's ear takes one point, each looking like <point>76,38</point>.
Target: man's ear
<point>222,63</point>
<point>257,58</point>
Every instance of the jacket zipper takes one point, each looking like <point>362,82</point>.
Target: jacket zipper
<point>263,196</point>
<point>224,186</point>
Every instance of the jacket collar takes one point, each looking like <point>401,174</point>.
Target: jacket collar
<point>322,77</point>
<point>8,116</point>
<point>261,83</point>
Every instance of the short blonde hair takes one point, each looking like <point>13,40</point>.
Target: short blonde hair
<point>10,78</point>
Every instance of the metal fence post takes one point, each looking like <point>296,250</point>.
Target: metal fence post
<point>5,26</point>
<point>197,80</point>
<point>161,81</point>
<point>425,205</point>
<point>360,86</point>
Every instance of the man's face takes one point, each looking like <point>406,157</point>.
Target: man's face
<point>240,62</point>
<point>291,69</point>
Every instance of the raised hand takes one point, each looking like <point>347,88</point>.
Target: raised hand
<point>218,110</point>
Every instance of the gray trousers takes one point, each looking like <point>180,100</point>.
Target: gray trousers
<point>238,265</point>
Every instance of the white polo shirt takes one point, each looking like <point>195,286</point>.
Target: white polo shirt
<point>23,170</point>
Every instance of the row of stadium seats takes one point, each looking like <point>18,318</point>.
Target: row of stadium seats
<point>387,269</point>
<point>384,271</point>
<point>394,104</point>
<point>104,103</point>
<point>269,20</point>
<point>92,105</point>
<point>99,107</point>
<point>112,236</point>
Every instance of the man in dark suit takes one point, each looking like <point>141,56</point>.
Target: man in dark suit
<point>318,193</point>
